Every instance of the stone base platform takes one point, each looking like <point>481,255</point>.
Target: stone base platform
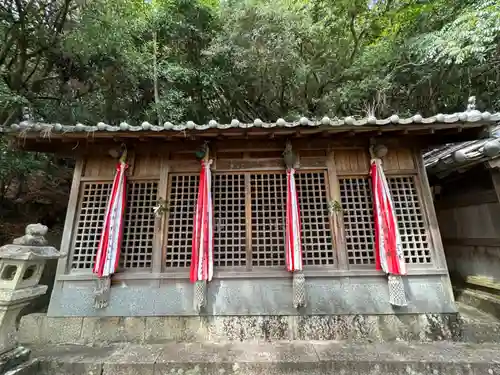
<point>482,300</point>
<point>478,326</point>
<point>278,358</point>
<point>471,325</point>
<point>39,329</point>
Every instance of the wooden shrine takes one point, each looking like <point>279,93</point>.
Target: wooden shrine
<point>248,188</point>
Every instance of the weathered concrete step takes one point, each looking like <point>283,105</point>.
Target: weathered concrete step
<point>277,358</point>
<point>478,326</point>
<point>38,329</point>
<point>482,300</point>
<point>469,326</point>
<point>30,367</point>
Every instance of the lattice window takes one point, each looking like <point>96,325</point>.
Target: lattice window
<point>229,212</point>
<point>268,209</point>
<point>412,226</point>
<point>268,219</point>
<point>182,202</point>
<point>138,233</point>
<point>93,200</point>
<point>317,246</point>
<point>355,195</point>
<point>357,207</point>
<point>137,245</point>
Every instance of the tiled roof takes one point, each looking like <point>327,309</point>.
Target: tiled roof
<point>463,155</point>
<point>325,122</point>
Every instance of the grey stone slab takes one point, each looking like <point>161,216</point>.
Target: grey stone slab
<point>233,358</point>
<point>335,352</point>
<point>77,299</point>
<point>113,329</point>
<point>290,358</point>
<point>409,327</point>
<point>245,328</point>
<point>206,352</point>
<point>437,352</point>
<point>408,368</point>
<point>178,328</point>
<point>476,332</point>
<point>339,368</point>
<point>250,297</point>
<point>249,368</point>
<point>68,368</point>
<point>352,328</point>
<point>128,369</point>
<point>334,295</point>
<point>369,295</point>
<point>64,356</point>
<point>31,329</point>
<point>258,358</point>
<point>58,330</point>
<point>130,353</point>
<point>481,300</point>
<point>132,360</point>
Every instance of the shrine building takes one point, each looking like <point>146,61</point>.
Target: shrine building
<point>249,197</point>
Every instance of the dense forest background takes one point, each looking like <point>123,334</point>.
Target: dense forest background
<point>87,61</point>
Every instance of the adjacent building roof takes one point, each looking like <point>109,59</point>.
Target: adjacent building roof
<point>460,156</point>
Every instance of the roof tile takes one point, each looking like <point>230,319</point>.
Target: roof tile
<point>469,116</point>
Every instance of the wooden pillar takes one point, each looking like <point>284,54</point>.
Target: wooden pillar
<point>430,213</point>
<point>336,218</point>
<point>69,222</point>
<point>248,221</point>
<point>64,263</point>
<point>495,176</point>
<point>161,221</point>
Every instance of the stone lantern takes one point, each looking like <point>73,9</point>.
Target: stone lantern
<point>21,267</point>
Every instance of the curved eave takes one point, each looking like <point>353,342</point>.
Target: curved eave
<point>440,128</point>
<point>457,119</point>
<point>462,156</point>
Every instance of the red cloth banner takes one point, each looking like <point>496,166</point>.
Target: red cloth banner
<point>388,246</point>
<point>108,252</point>
<point>203,242</point>
<point>293,227</point>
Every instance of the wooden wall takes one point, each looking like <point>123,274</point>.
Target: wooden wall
<point>346,171</point>
<point>338,247</point>
<point>468,211</point>
<point>145,164</point>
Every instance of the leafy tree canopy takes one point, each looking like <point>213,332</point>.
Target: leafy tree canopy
<point>86,61</point>
<point>90,61</point>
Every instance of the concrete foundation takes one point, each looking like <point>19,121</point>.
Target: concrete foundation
<point>427,294</point>
<point>481,300</point>
<point>279,358</point>
<point>40,329</point>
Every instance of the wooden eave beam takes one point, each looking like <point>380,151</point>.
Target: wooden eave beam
<point>235,132</point>
<point>424,135</point>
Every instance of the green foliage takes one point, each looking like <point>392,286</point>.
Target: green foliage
<point>95,61</point>
<point>176,60</point>
<point>472,35</point>
<point>13,164</point>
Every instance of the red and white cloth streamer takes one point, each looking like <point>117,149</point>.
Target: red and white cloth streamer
<point>293,227</point>
<point>108,251</point>
<point>389,255</point>
<point>203,240</point>
<point>293,240</point>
